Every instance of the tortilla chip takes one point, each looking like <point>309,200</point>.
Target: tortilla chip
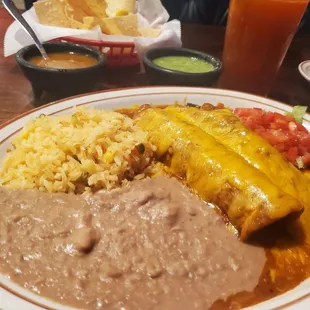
<point>86,14</point>
<point>121,25</point>
<point>121,13</point>
<point>78,25</point>
<point>120,7</point>
<point>52,13</point>
<point>91,22</point>
<point>59,13</point>
<point>149,32</point>
<point>77,9</point>
<point>95,8</point>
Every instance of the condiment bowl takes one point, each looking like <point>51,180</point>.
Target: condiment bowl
<point>161,76</point>
<point>61,82</point>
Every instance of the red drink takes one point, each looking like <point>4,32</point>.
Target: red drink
<point>258,35</point>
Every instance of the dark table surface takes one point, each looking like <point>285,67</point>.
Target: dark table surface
<point>16,94</point>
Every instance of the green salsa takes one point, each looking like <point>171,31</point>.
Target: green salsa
<point>184,64</point>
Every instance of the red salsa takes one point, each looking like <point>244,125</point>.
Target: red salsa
<point>282,131</point>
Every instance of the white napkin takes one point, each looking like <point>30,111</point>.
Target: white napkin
<point>151,13</point>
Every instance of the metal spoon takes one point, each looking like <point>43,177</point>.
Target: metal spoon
<point>12,9</point>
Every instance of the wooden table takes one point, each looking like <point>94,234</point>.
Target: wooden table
<point>16,96</point>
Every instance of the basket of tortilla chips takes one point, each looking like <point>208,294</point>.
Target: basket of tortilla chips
<point>114,17</point>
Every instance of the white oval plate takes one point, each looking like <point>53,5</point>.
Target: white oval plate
<point>13,297</point>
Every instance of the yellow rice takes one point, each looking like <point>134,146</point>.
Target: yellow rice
<point>91,149</point>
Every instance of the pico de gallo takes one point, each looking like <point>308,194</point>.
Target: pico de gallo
<point>284,132</point>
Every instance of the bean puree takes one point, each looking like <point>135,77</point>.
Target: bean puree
<point>150,245</point>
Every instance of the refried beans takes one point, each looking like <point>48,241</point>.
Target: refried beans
<point>150,245</point>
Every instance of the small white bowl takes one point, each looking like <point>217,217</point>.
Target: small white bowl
<point>304,69</point>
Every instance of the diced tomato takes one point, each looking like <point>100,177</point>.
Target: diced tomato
<point>305,141</point>
<point>290,118</point>
<point>302,151</point>
<point>292,126</point>
<point>301,128</point>
<point>281,123</point>
<point>282,147</point>
<point>278,136</point>
<point>268,118</point>
<point>306,160</point>
<point>292,154</point>
<point>281,131</point>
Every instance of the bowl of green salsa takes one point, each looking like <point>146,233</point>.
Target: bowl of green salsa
<point>180,66</point>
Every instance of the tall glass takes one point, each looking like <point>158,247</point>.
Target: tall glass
<point>258,35</point>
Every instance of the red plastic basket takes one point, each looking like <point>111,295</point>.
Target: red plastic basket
<point>119,53</point>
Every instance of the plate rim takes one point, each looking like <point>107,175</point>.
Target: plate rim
<point>204,89</point>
